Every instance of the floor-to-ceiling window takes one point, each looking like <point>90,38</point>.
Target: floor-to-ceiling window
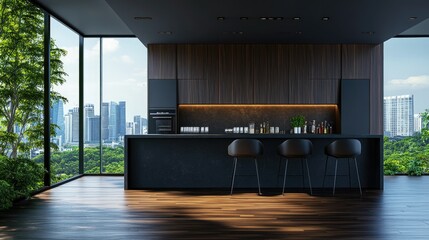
<point>406,104</point>
<point>92,116</point>
<point>115,99</point>
<point>65,110</point>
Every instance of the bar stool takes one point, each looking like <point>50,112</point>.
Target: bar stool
<point>343,149</point>
<point>245,148</point>
<point>296,149</point>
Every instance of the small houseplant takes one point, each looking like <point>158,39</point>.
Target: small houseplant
<point>297,122</point>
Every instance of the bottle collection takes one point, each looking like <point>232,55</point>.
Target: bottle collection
<point>323,127</point>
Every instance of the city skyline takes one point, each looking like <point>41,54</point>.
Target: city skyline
<point>111,123</point>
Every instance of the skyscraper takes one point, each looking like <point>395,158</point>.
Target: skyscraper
<point>418,121</point>
<point>57,118</point>
<point>122,120</point>
<point>88,113</point>
<point>75,125</point>
<point>399,115</point>
<point>105,121</point>
<point>94,127</point>
<point>137,125</point>
<point>113,121</point>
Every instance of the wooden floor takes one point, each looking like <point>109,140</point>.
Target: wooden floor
<point>99,208</point>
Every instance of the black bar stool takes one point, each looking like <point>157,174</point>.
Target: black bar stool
<point>245,148</point>
<point>343,149</point>
<point>296,149</point>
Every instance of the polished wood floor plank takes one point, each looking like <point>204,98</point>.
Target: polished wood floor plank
<point>98,208</point>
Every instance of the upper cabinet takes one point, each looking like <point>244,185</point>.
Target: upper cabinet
<point>162,61</point>
<point>261,73</point>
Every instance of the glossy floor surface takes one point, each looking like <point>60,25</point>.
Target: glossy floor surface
<point>99,208</point>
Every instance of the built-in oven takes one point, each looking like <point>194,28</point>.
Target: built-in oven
<point>162,121</point>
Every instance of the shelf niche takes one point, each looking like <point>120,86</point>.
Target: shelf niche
<point>221,116</point>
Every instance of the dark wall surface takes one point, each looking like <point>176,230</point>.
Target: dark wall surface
<point>269,73</point>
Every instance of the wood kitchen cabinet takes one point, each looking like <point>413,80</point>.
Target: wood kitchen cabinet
<point>162,61</point>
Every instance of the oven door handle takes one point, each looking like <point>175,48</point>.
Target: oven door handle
<point>162,117</point>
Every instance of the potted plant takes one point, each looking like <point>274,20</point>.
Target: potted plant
<point>297,122</point>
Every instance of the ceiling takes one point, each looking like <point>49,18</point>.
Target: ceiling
<point>197,21</point>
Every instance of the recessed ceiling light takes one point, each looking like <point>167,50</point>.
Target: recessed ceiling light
<point>142,18</point>
<point>296,18</point>
<point>298,33</point>
<point>165,32</point>
<point>412,18</point>
<point>263,18</point>
<point>220,18</point>
<point>325,18</point>
<point>244,18</point>
<point>279,18</point>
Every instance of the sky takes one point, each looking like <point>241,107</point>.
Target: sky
<point>124,71</point>
<point>406,70</point>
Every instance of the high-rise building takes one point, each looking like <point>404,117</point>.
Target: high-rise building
<point>113,121</point>
<point>137,125</point>
<point>130,128</point>
<point>418,121</point>
<point>94,127</point>
<point>105,121</point>
<point>57,118</point>
<point>87,114</point>
<point>71,122</point>
<point>75,125</point>
<point>399,115</point>
<point>122,120</point>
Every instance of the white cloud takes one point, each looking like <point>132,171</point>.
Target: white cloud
<point>127,59</point>
<point>414,82</point>
<point>110,44</point>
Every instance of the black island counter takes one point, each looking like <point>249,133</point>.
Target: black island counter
<point>201,161</point>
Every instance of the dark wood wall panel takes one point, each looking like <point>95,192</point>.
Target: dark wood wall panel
<point>269,85</point>
<point>356,61</point>
<point>270,73</point>
<point>242,74</point>
<point>226,73</point>
<point>191,61</point>
<point>162,61</point>
<point>212,73</point>
<point>376,90</point>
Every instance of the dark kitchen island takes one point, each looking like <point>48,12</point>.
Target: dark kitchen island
<point>190,161</point>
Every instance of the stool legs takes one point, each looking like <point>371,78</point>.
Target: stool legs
<point>309,180</point>
<point>257,176</point>
<point>357,173</point>
<point>308,174</point>
<point>335,175</point>
<point>233,174</point>
<point>284,180</point>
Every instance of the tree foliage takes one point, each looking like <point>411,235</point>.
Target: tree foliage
<point>22,77</point>
<point>408,155</point>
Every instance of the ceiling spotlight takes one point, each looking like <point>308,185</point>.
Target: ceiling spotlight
<point>296,18</point>
<point>142,18</point>
<point>220,18</point>
<point>412,18</point>
<point>263,18</point>
<point>325,18</point>
<point>298,33</point>
<point>244,18</point>
<point>279,18</point>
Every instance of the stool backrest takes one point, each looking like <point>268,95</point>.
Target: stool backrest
<point>245,148</point>
<point>344,148</point>
<point>295,148</point>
